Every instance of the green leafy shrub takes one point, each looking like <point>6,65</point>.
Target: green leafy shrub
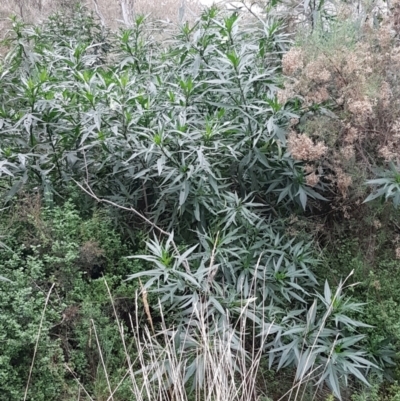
<point>192,135</point>
<point>198,118</point>
<point>389,185</point>
<point>57,246</point>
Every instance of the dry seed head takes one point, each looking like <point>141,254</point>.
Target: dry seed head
<point>385,94</point>
<point>351,134</point>
<point>315,71</point>
<point>291,232</point>
<point>395,56</point>
<point>377,285</point>
<point>386,153</point>
<point>385,35</point>
<point>318,96</point>
<point>302,147</point>
<point>283,95</point>
<point>343,181</point>
<point>347,152</point>
<point>292,61</point>
<point>312,180</point>
<point>308,168</point>
<point>377,224</point>
<point>352,64</point>
<point>361,109</point>
<point>340,100</point>
<point>395,129</point>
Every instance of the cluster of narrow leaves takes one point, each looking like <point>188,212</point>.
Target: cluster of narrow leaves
<point>388,185</point>
<point>176,128</point>
<point>190,132</point>
<point>265,284</point>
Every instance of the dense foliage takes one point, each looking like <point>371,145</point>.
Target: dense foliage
<point>188,137</point>
<point>58,246</point>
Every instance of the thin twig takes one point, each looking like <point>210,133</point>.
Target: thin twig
<point>99,14</point>
<point>102,360</point>
<point>213,273</point>
<point>79,383</point>
<point>118,385</point>
<point>121,331</point>
<point>37,341</point>
<point>146,306</point>
<point>90,192</point>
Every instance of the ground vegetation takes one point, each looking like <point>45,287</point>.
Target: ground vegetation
<point>205,210</point>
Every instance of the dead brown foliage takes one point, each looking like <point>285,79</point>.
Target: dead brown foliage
<point>356,78</point>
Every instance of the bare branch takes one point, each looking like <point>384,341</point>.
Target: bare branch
<point>127,11</point>
<point>99,14</point>
<point>37,341</point>
<point>88,190</point>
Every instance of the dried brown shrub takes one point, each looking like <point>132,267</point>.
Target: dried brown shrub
<point>90,254</point>
<point>356,77</point>
<point>27,211</point>
<point>302,147</point>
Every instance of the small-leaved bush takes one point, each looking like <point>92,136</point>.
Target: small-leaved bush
<point>57,246</point>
